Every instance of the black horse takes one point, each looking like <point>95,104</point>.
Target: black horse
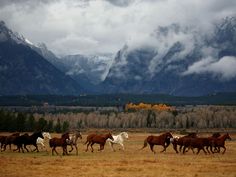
<point>27,139</point>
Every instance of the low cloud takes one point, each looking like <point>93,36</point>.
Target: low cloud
<point>104,26</point>
<point>224,68</point>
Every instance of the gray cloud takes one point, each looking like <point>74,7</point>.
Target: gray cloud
<point>102,26</point>
<point>224,68</point>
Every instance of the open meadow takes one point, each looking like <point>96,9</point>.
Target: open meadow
<point>129,163</point>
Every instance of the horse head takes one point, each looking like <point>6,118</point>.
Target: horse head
<point>65,135</point>
<point>168,135</point>
<point>36,135</point>
<point>47,135</point>
<point>110,136</point>
<point>227,136</point>
<point>125,135</point>
<point>78,134</point>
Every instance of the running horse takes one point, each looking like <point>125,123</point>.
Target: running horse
<point>9,140</point>
<point>55,142</point>
<point>162,140</point>
<point>27,139</point>
<point>118,139</point>
<point>180,140</point>
<point>220,142</point>
<point>98,139</point>
<point>73,138</point>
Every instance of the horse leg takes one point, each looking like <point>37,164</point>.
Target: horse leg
<point>36,147</point>
<point>151,147</point>
<point>163,149</point>
<point>71,148</point>
<point>204,150</point>
<point>180,148</point>
<point>26,148</point>
<point>198,150</point>
<point>184,149</point>
<point>111,145</point>
<point>52,151</point>
<point>21,148</point>
<point>87,146</point>
<point>224,149</point>
<point>175,148</point>
<point>122,145</point>
<point>92,146</point>
<point>207,148</point>
<point>76,149</point>
<point>101,147</point>
<point>54,148</point>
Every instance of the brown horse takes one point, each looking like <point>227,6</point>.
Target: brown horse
<point>98,139</point>
<point>198,143</point>
<point>179,141</point>
<point>9,140</point>
<point>220,142</point>
<point>62,142</point>
<point>162,140</point>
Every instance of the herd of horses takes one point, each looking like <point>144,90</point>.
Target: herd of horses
<point>180,144</point>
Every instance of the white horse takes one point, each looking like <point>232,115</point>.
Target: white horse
<point>40,141</point>
<point>118,139</point>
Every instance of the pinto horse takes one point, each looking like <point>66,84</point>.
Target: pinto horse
<point>55,142</point>
<point>72,141</point>
<point>98,139</point>
<point>162,140</point>
<point>220,142</point>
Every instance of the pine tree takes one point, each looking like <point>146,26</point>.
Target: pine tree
<point>57,127</point>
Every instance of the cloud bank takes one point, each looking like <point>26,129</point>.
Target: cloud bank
<point>104,26</point>
<point>224,68</point>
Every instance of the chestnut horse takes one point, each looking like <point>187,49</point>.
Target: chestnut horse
<point>62,142</point>
<point>98,139</point>
<point>179,141</point>
<point>220,142</point>
<point>162,140</point>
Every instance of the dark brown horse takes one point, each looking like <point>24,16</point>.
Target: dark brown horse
<point>62,142</point>
<point>220,142</point>
<point>162,140</point>
<point>2,141</point>
<point>26,140</point>
<point>179,141</point>
<point>198,143</point>
<point>98,139</point>
<point>9,140</point>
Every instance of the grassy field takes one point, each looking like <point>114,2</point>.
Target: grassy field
<point>131,162</point>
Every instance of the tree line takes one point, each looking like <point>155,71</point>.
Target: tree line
<point>23,122</point>
<point>194,117</point>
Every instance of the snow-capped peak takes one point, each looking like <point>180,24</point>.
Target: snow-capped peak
<point>7,34</point>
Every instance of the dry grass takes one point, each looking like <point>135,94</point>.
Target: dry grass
<point>131,162</point>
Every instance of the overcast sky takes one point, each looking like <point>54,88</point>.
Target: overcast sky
<point>104,26</point>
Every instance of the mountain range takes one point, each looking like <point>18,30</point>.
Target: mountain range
<point>181,61</point>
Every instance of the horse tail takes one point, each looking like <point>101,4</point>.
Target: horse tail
<point>145,143</point>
